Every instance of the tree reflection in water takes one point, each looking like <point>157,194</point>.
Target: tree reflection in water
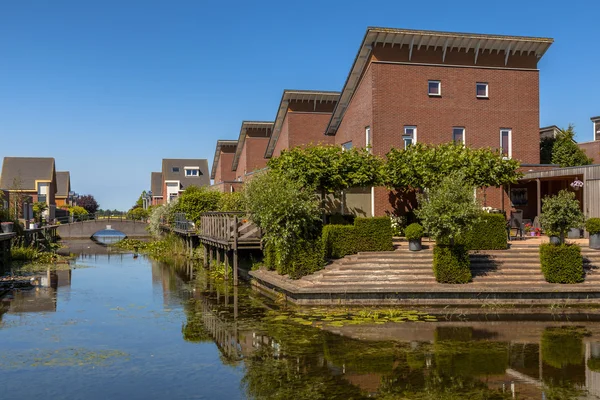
<point>284,360</point>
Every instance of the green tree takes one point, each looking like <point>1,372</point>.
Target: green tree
<point>233,201</point>
<point>448,209</point>
<point>38,209</point>
<point>287,211</point>
<point>329,168</point>
<point>197,200</point>
<point>138,213</point>
<point>565,151</point>
<point>423,166</point>
<point>561,213</point>
<point>546,145</point>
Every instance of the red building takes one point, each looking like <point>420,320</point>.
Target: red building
<point>301,119</point>
<point>408,86</point>
<point>251,146</point>
<point>224,179</point>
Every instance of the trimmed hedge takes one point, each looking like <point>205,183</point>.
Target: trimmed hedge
<point>488,234</point>
<point>561,263</point>
<point>451,264</point>
<point>339,240</point>
<point>306,258</point>
<point>374,234</point>
<point>367,234</point>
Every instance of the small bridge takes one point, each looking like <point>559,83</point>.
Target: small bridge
<point>85,229</point>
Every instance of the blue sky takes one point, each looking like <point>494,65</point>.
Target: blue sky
<point>109,88</point>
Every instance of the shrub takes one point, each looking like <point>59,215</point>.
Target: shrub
<point>561,213</point>
<point>339,240</point>
<point>270,256</point>
<point>414,231</point>
<point>451,264</point>
<point>138,213</point>
<point>489,233</point>
<point>562,263</point>
<point>373,234</point>
<point>594,364</point>
<point>592,225</point>
<point>233,201</point>
<point>305,258</point>
<point>196,200</point>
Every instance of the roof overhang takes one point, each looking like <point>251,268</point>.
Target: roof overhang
<point>242,138</point>
<point>220,145</point>
<point>316,96</point>
<point>448,41</point>
<point>595,119</point>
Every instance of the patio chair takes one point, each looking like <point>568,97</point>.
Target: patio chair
<point>516,225</point>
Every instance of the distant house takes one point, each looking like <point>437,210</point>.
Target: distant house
<point>63,187</point>
<point>31,177</point>
<point>178,174</point>
<point>592,149</point>
<point>156,186</point>
<point>252,143</point>
<point>549,132</point>
<point>301,119</point>
<point>222,174</point>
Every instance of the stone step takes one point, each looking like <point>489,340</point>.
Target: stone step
<point>509,287</point>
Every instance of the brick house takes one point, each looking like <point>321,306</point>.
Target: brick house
<point>222,174</point>
<point>178,174</point>
<point>408,86</point>
<point>250,149</point>
<point>301,119</point>
<point>33,178</point>
<point>592,149</point>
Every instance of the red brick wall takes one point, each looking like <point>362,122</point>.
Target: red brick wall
<point>252,156</point>
<point>283,141</point>
<point>592,150</point>
<point>359,114</point>
<point>224,172</point>
<point>308,128</point>
<point>391,96</point>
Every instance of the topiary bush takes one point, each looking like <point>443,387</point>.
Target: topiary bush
<point>488,233</point>
<point>305,258</point>
<point>561,263</point>
<point>451,264</point>
<point>373,234</point>
<point>339,240</point>
<point>592,225</point>
<point>414,232</point>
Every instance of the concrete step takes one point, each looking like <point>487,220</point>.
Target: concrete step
<point>509,287</point>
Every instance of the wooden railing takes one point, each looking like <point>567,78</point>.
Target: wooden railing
<point>229,227</point>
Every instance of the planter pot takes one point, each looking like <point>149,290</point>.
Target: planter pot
<point>414,245</point>
<point>7,228</point>
<point>574,233</point>
<point>555,240</point>
<point>531,233</point>
<point>595,241</point>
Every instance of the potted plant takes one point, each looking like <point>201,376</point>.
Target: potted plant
<point>7,227</point>
<point>554,237</point>
<point>592,225</point>
<point>414,233</point>
<point>529,230</point>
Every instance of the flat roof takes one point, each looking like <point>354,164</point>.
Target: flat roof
<point>220,144</point>
<point>242,139</point>
<point>317,96</point>
<point>448,41</point>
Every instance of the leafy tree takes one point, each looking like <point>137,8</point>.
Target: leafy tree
<point>88,202</point>
<point>565,151</point>
<point>197,200</point>
<point>448,209</point>
<point>287,210</point>
<point>329,168</point>
<point>546,145</point>
<point>423,166</point>
<point>77,212</point>
<point>561,213</point>
<point>233,201</point>
<point>138,213</point>
<point>38,209</point>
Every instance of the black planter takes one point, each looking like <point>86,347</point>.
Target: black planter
<point>7,228</point>
<point>555,240</point>
<point>414,245</point>
<point>595,241</point>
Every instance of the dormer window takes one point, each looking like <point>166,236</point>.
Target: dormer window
<point>192,171</point>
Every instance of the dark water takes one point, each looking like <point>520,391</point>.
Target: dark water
<point>128,327</point>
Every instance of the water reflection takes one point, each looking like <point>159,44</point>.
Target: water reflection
<point>108,236</point>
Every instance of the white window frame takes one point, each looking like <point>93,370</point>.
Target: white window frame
<point>596,124</point>
<point>487,88</point>
<point>346,143</point>
<point>439,83</point>
<point>368,139</point>
<point>186,169</point>
<point>414,135</point>
<point>464,131</point>
<point>509,156</point>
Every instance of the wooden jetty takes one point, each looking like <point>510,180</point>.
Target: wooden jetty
<point>223,235</point>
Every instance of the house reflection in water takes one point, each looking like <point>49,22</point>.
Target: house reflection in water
<point>43,296</point>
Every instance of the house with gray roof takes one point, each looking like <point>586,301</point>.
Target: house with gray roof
<point>31,179</point>
<point>156,186</point>
<point>63,187</point>
<point>178,174</point>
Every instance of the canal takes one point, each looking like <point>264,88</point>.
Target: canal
<point>114,325</point>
